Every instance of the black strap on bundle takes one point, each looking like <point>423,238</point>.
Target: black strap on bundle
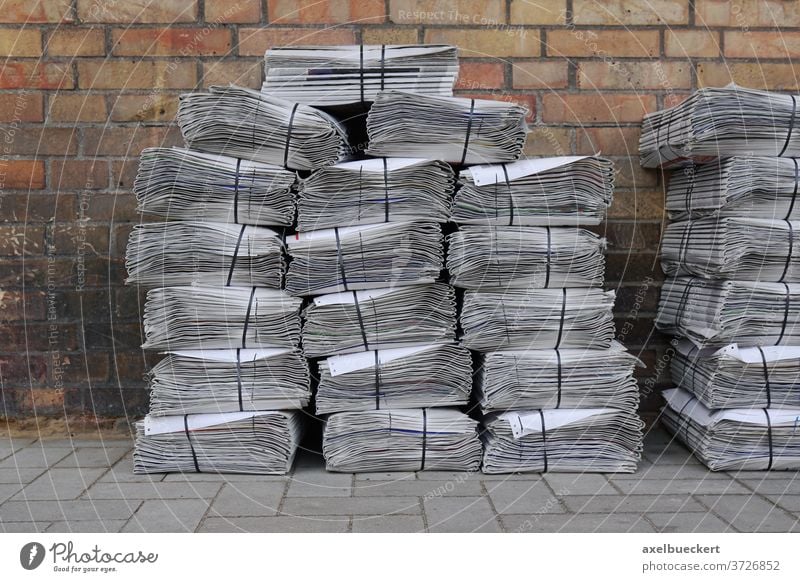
<point>385,191</point>
<point>360,321</point>
<point>510,196</point>
<point>558,400</point>
<point>544,440</point>
<point>786,303</point>
<point>361,68</point>
<point>235,255</point>
<point>383,57</point>
<point>769,439</point>
<point>547,264</point>
<point>685,428</point>
<point>191,445</point>
<point>788,262</point>
<point>340,258</point>
<point>377,382</point>
<point>236,192</point>
<point>794,192</point>
<point>791,126</point>
<point>469,129</point>
<point>505,323</point>
<point>247,317</point>
<point>679,312</point>
<point>695,348</point>
<point>766,376</point>
<point>563,313</point>
<point>289,135</point>
<point>239,377</point>
<point>690,189</point>
<point>683,249</point>
<point>360,192</point>
<point>424,437</point>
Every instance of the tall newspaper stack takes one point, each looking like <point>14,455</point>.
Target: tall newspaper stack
<point>732,297</point>
<point>227,397</point>
<point>556,391</point>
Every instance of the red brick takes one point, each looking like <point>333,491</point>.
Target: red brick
<point>630,12</point>
<point>769,76</point>
<point>541,74</point>
<point>527,101</point>
<point>609,141</point>
<point>394,35</point>
<point>747,13</point>
<point>138,11</point>
<point>241,11</point>
<point>478,76</point>
<point>71,239</point>
<point>315,12</point>
<point>21,306</point>
<point>778,44</point>
<point>36,11</point>
<point>632,75</point>
<point>488,42</point>
<point>76,107</point>
<point>21,174</point>
<point>452,13</point>
<point>24,369</point>
<point>637,205</point>
<point>171,41</point>
<point>16,241</point>
<point>528,12</point>
<point>591,108</point>
<point>128,141</point>
<point>152,107</point>
<point>691,43</point>
<point>133,74</point>
<point>544,140</point>
<point>256,41</point>
<point>79,174</point>
<point>36,75</point>
<point>33,207</point>
<point>605,43</point>
<point>45,141</point>
<point>245,73</point>
<point>39,400</point>
<point>77,42</point>
<point>20,42</point>
<point>21,107</point>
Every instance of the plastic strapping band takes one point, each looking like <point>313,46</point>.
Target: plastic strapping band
<point>360,321</point>
<point>289,135</point>
<point>247,317</point>
<point>558,401</point>
<point>679,316</point>
<point>547,265</point>
<point>383,56</point>
<point>685,421</point>
<point>239,377</point>
<point>794,193</point>
<point>690,190</point>
<point>769,439</point>
<point>235,255</point>
<point>563,312</point>
<point>785,313</point>
<point>544,441</point>
<point>236,192</point>
<point>361,69</point>
<point>360,192</point>
<point>340,258</point>
<point>469,128</point>
<point>791,126</point>
<point>510,196</point>
<point>385,191</point>
<point>789,254</point>
<point>191,445</point>
<point>683,250</point>
<point>377,382</point>
<point>766,376</point>
<point>424,437</point>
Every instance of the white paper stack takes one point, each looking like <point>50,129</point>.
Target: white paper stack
<point>182,184</point>
<point>259,443</point>
<point>567,190</point>
<point>436,439</point>
<point>374,191</point>
<point>752,187</point>
<point>364,257</point>
<point>572,440</point>
<point>243,123</point>
<point>737,439</point>
<point>739,377</point>
<point>453,129</point>
<point>338,75</point>
<point>189,317</point>
<point>378,319</point>
<point>421,376</point>
<point>210,381</point>
<point>204,253</point>
<point>721,122</point>
<point>509,257</point>
<point>747,249</point>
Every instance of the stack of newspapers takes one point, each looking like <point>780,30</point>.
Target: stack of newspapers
<point>556,391</point>
<point>733,287</point>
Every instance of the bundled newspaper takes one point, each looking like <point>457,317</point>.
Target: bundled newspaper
<point>204,253</point>
<point>182,184</point>
<point>453,129</point>
<point>340,75</point>
<point>436,439</point>
<point>375,190</point>
<point>747,249</point>
<point>557,379</point>
<point>737,439</point>
<point>529,257</point>
<point>739,377</point>
<point>566,190</point>
<point>259,443</point>
<point>603,440</point>
<point>752,187</point>
<point>364,257</point>
<point>191,317</point>
<point>247,124</point>
<point>207,381</point>
<point>528,319</point>
<point>420,376</point>
<point>378,319</point>
<point>721,122</point>
<point>716,313</point>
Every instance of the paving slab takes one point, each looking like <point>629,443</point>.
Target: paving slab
<point>35,456</point>
<point>580,484</point>
<point>688,522</point>
<point>279,524</point>
<point>59,484</point>
<point>588,523</point>
<point>108,525</point>
<point>523,497</point>
<point>85,510</point>
<point>773,486</point>
<point>461,514</point>
<point>8,490</point>
<point>681,486</point>
<point>172,515</point>
<point>390,476</point>
<point>750,513</point>
<point>389,524</point>
<point>158,490</point>
<point>631,503</point>
<point>23,526</point>
<point>418,488</point>
<point>21,475</point>
<point>319,506</point>
<point>93,457</point>
<point>248,499</point>
<point>789,502</point>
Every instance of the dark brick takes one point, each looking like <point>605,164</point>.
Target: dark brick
<point>81,368</point>
<point>633,268</point>
<point>36,337</point>
<point>24,369</point>
<point>21,306</point>
<point>35,207</point>
<point>117,336</point>
<point>103,401</point>
<point>73,239</point>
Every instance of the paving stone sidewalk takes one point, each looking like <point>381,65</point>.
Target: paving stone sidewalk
<point>52,485</point>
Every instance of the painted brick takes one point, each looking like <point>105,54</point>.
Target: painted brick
<point>75,107</point>
<point>138,11</point>
<point>540,74</point>
<point>691,43</point>
<point>77,42</point>
<point>528,12</point>
<point>171,41</point>
<point>255,41</point>
<point>593,108</point>
<point>487,42</point>
<point>241,11</point>
<point>315,12</point>
<point>20,42</point>
<point>132,74</point>
<point>452,13</point>
<point>630,12</point>
<point>633,75</point>
<point>604,43</point>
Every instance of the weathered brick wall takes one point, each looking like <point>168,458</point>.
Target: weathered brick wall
<point>86,84</point>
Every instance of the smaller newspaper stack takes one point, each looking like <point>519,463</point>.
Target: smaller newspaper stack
<point>556,391</point>
<point>732,257</point>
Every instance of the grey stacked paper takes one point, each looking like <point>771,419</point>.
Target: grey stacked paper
<point>182,184</point>
<point>421,376</point>
<point>739,377</point>
<point>340,75</point>
<point>721,122</point>
<point>246,124</point>
<point>601,440</point>
<point>259,443</point>
<point>749,249</point>
<point>190,317</point>
<point>453,129</point>
<point>364,257</point>
<point>436,439</point>
<point>566,190</point>
<point>525,319</point>
<point>378,319</point>
<point>737,439</point>
<point>524,257</point>
<point>374,191</point>
<point>208,381</point>
<point>557,379</point>
<point>204,253</point>
<point>716,313</point>
<point>752,187</point>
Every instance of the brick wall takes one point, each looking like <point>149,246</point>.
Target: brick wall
<point>86,84</point>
